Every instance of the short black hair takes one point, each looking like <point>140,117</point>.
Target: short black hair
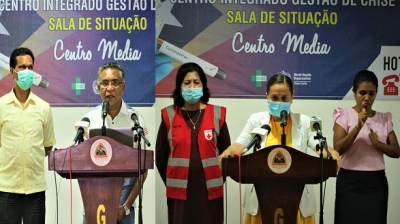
<point>364,76</point>
<point>180,76</point>
<point>18,52</point>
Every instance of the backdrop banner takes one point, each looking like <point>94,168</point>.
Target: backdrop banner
<point>71,39</point>
<point>321,44</point>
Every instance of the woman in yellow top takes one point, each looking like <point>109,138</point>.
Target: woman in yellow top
<point>298,136</point>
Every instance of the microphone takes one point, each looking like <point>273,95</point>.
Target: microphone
<point>284,118</point>
<point>139,129</point>
<point>316,125</point>
<point>135,119</point>
<point>105,107</point>
<point>259,134</point>
<point>81,128</point>
<point>38,79</point>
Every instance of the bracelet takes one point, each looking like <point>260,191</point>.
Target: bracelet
<point>127,210</point>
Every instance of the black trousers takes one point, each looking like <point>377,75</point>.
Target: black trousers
<point>29,208</point>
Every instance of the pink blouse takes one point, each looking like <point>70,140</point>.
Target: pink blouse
<point>362,155</point>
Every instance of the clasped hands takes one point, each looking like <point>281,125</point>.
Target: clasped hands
<point>362,118</point>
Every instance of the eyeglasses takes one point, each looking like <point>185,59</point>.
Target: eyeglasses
<point>114,83</point>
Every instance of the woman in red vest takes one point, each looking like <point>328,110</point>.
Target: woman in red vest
<point>191,136</point>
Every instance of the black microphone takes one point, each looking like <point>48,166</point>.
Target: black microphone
<point>81,127</point>
<point>135,119</point>
<point>283,118</point>
<point>105,108</point>
<point>316,125</point>
<point>260,133</point>
<point>138,128</point>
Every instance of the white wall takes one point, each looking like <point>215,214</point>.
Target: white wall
<point>154,201</point>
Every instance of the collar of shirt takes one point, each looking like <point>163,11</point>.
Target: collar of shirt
<point>11,97</point>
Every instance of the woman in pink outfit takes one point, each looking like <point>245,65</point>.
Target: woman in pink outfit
<point>362,136</point>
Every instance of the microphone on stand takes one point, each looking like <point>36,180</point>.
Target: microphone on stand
<point>104,111</point>
<point>81,128</point>
<point>259,134</point>
<point>284,116</point>
<point>104,108</point>
<point>139,129</point>
<point>135,119</point>
<point>140,135</point>
<point>316,126</point>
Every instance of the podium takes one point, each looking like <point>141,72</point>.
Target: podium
<point>279,174</point>
<point>100,165</point>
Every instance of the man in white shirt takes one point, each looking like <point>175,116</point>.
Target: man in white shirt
<point>111,85</point>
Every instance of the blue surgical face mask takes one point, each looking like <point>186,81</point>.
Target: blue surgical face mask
<point>25,79</point>
<point>275,107</point>
<point>192,95</point>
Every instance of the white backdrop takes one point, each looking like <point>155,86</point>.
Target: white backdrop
<point>154,201</point>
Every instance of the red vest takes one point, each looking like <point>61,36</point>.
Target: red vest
<point>179,157</point>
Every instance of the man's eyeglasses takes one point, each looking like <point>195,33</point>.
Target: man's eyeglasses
<point>114,83</point>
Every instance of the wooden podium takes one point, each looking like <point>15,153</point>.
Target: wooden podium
<point>279,174</point>
<point>100,165</point>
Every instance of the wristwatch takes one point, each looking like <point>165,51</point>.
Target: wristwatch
<point>127,210</point>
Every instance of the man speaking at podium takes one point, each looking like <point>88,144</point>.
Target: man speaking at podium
<point>111,85</point>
